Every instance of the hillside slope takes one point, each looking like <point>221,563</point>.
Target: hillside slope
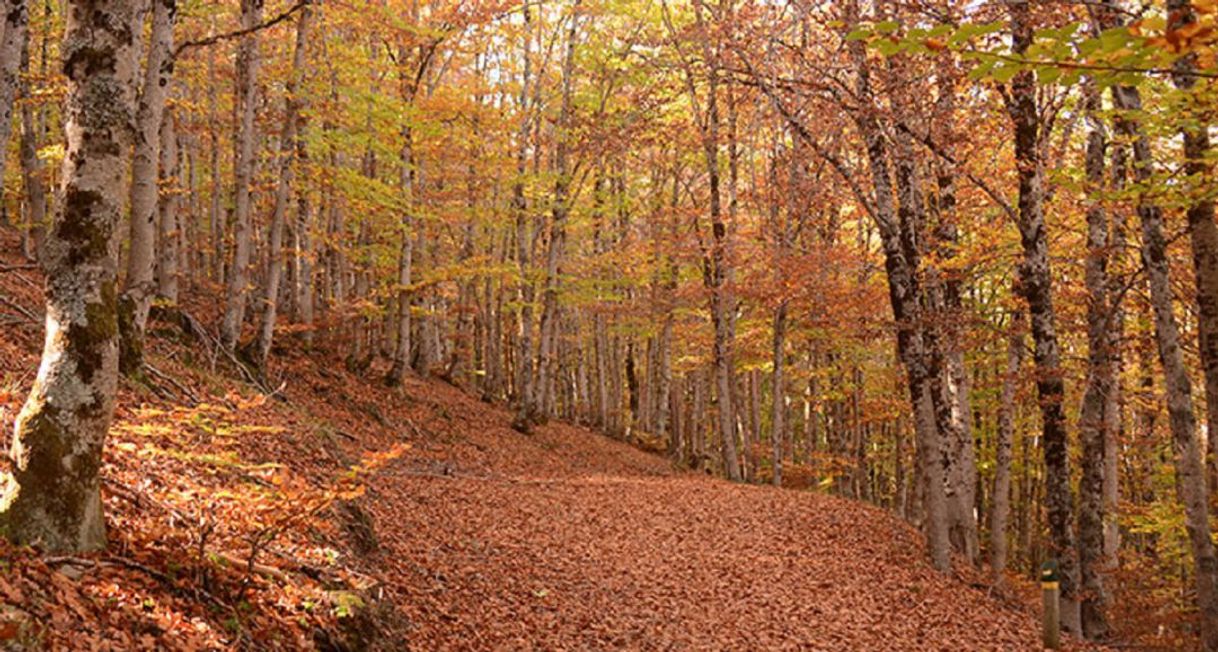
<point>339,514</point>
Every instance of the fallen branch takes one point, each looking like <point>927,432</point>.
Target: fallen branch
<point>28,283</point>
<point>19,308</point>
<point>169,379</point>
<point>260,569</point>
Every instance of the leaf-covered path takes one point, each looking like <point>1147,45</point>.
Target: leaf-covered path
<point>488,539</point>
<point>567,540</point>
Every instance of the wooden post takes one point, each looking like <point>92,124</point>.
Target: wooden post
<point>1050,599</point>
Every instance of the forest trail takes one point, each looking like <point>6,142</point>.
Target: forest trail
<point>483,538</point>
<point>567,540</point>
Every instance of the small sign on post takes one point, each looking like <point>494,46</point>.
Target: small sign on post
<point>1049,592</point>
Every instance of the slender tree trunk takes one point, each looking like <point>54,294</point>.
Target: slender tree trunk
<point>1036,280</point>
<point>525,408</point>
<point>1116,399</point>
<point>214,213</point>
<point>303,246</point>
<point>407,181</point>
<point>12,41</point>
<point>51,489</point>
<point>140,284</point>
<point>1095,420</point>
<point>1001,504</point>
<point>715,267</point>
<point>288,145</point>
<point>1203,231</point>
<point>547,364</point>
<point>778,392</point>
<point>1191,482</point>
<point>248,62</point>
<point>32,173</point>
<point>170,173</point>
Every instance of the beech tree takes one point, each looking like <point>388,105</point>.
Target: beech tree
<point>52,492</point>
<point>243,169</point>
<point>870,249</point>
<point>139,284</point>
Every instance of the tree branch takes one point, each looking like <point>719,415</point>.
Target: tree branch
<point>217,38</point>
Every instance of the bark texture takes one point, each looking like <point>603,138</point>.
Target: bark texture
<point>50,495</point>
<point>139,285</point>
<point>1036,282</point>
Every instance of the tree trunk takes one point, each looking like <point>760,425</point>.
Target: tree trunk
<point>1116,396</point>
<point>1095,420</point>
<point>32,133</point>
<point>51,489</point>
<point>1203,232</point>
<point>214,211</point>
<point>904,297</point>
<point>247,86</point>
<point>288,145</point>
<point>1001,505</point>
<point>525,407</point>
<point>303,246</point>
<point>12,41</point>
<point>140,284</point>
<point>1190,466</point>
<point>1036,280</point>
<point>778,392</point>
<point>170,190</point>
<point>715,268</point>
<point>547,364</point>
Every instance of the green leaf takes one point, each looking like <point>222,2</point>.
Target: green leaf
<point>887,47</point>
<point>887,27</point>
<point>982,70</point>
<point>1006,72</point>
<point>1048,74</point>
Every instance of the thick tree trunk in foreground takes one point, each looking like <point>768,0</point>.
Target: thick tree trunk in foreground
<point>238,277</point>
<point>905,299</point>
<point>50,493</point>
<point>1036,280</point>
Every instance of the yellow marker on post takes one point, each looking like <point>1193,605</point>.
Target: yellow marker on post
<point>1049,591</point>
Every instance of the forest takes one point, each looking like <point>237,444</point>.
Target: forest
<point>952,264</point>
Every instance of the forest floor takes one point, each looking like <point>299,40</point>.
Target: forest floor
<point>317,509</point>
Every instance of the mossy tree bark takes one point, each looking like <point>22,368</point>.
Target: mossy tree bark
<point>50,494</point>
